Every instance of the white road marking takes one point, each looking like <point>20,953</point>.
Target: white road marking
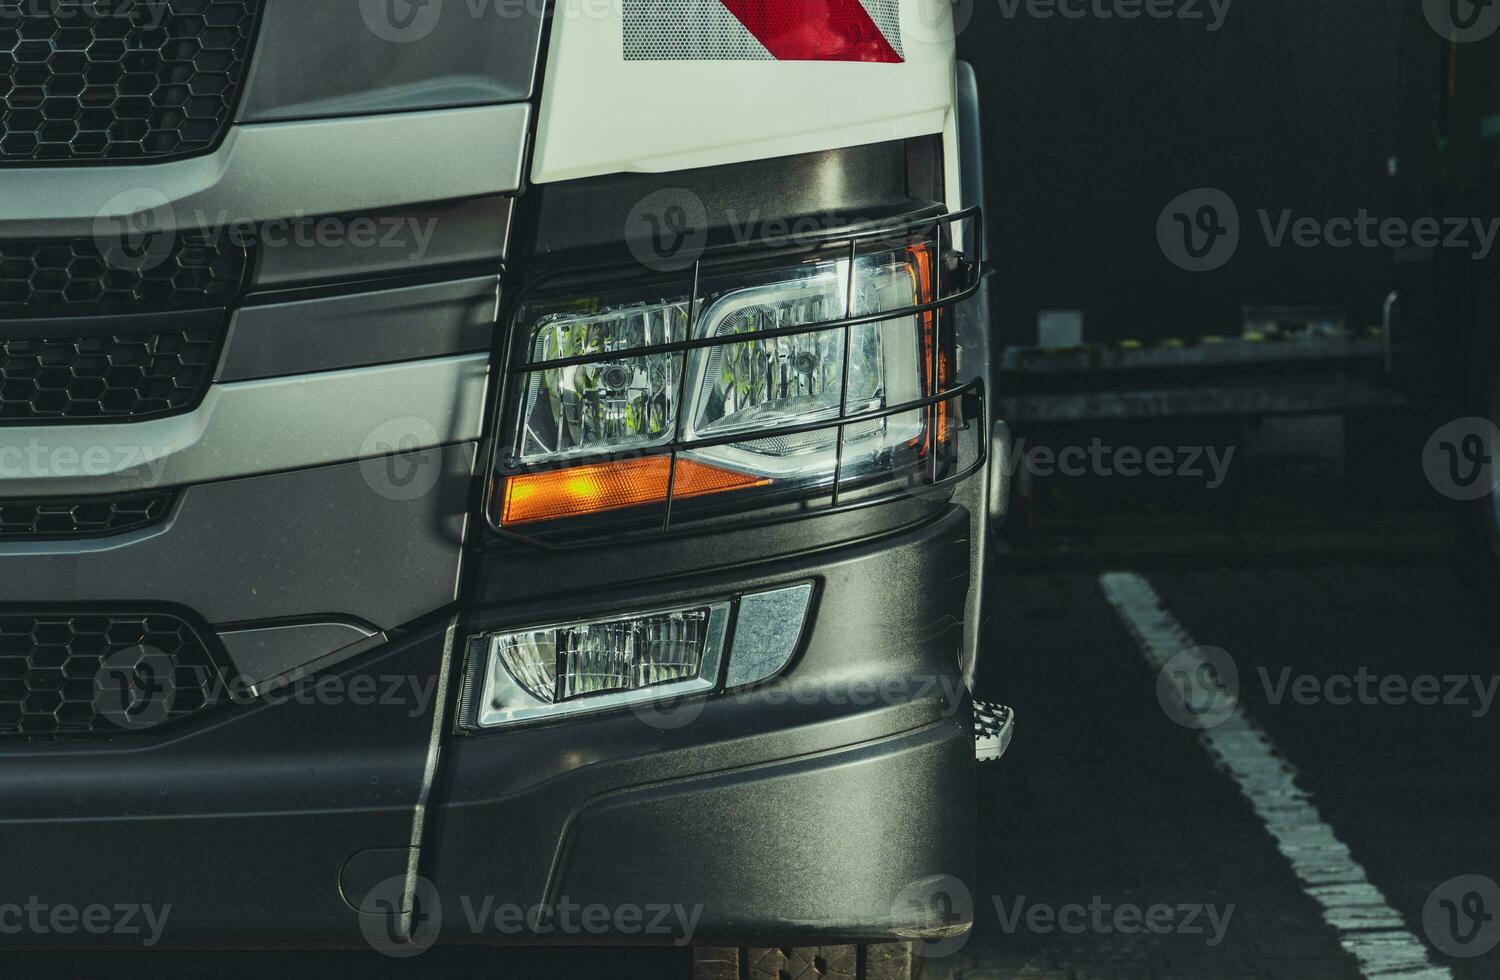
<point>1366,924</point>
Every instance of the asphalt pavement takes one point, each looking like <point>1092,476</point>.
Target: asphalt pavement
<point>1372,688</point>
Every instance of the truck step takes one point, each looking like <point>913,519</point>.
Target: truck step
<point>993,726</point>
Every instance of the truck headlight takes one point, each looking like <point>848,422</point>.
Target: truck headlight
<point>805,371</point>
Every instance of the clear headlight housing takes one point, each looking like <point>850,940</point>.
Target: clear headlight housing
<point>549,672</point>
<point>798,374</point>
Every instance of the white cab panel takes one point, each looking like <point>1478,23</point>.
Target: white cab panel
<point>602,114</point>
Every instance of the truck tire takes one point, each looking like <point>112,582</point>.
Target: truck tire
<point>883,961</point>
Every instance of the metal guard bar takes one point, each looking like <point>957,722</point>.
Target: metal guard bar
<point>969,396</point>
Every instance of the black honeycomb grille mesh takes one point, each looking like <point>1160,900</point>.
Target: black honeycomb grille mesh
<point>110,377</point>
<point>110,80</point>
<point>35,519</point>
<point>85,674</point>
<point>89,276</point>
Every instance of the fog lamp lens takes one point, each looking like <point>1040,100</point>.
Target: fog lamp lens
<point>554,671</point>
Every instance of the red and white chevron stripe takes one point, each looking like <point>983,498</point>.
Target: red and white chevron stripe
<point>763,30</point>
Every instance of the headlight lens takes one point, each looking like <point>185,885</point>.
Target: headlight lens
<point>606,406</point>
<point>750,376</point>
<point>761,384</point>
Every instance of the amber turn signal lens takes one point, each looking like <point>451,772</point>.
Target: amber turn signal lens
<point>599,487</point>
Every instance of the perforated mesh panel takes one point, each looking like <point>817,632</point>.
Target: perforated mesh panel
<point>106,674</point>
<point>22,520</point>
<point>887,16</point>
<point>101,80</point>
<point>88,276</point>
<point>129,376</point>
<point>687,30</point>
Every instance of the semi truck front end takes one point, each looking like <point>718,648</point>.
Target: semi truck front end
<point>482,456</point>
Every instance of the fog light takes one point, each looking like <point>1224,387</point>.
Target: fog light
<point>564,669</point>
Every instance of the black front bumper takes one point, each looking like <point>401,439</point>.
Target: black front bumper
<point>807,808</point>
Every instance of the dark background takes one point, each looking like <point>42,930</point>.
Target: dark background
<point>1092,126</point>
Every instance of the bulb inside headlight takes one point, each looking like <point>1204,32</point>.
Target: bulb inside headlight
<point>759,384</point>
<point>760,376</point>
<point>604,406</point>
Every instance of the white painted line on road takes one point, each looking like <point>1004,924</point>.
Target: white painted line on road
<point>1366,924</point>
